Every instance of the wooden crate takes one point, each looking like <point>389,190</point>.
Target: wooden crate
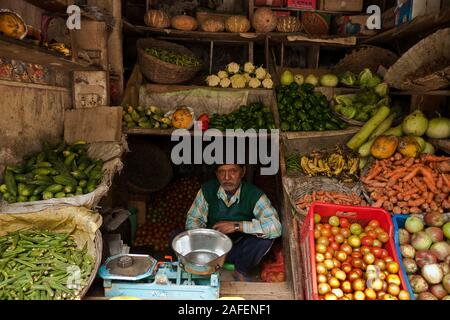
<point>90,89</point>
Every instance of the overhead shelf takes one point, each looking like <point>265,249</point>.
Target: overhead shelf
<point>307,10</point>
<point>28,52</point>
<point>57,6</point>
<point>420,26</point>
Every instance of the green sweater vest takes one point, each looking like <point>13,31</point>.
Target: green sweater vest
<point>239,211</point>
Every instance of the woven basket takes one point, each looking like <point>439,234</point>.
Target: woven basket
<point>160,71</point>
<point>365,57</point>
<point>301,186</point>
<point>98,242</point>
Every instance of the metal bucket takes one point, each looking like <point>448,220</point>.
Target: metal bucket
<point>201,251</point>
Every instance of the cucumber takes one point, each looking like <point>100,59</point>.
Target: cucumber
<point>47,195</point>
<point>39,190</point>
<point>91,185</point>
<point>79,175</point>
<point>69,189</point>
<point>44,164</point>
<point>23,177</point>
<point>383,127</point>
<point>82,183</point>
<point>3,188</point>
<point>34,198</point>
<point>10,182</point>
<point>22,199</point>
<point>79,191</point>
<point>42,171</point>
<point>60,195</point>
<point>69,195</point>
<point>65,180</point>
<point>54,188</point>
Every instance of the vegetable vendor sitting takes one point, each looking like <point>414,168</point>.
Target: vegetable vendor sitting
<point>241,211</point>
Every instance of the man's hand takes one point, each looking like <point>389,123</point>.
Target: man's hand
<point>226,227</point>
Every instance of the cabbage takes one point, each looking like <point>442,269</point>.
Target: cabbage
<point>382,89</point>
<point>348,78</point>
<point>348,111</point>
<point>364,77</point>
<point>373,82</point>
<point>312,79</point>
<point>329,80</point>
<point>345,99</point>
<point>415,124</point>
<point>438,128</point>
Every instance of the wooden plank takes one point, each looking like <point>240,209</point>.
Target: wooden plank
<point>34,86</point>
<point>93,124</point>
<point>421,93</point>
<point>306,135</point>
<point>90,89</point>
<point>256,290</point>
<point>346,41</point>
<point>28,52</point>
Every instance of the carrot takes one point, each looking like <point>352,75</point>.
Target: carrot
<point>409,162</point>
<point>412,174</point>
<point>379,202</point>
<point>396,171</point>
<point>430,184</point>
<point>416,203</point>
<point>405,210</point>
<point>398,156</point>
<point>414,210</point>
<point>430,197</point>
<point>374,172</point>
<point>432,158</point>
<point>425,206</point>
<point>433,206</point>
<point>446,179</point>
<point>388,205</point>
<point>402,204</point>
<point>417,183</point>
<point>410,192</point>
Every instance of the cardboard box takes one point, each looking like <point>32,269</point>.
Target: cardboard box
<point>341,5</point>
<point>408,10</point>
<point>354,26</point>
<point>274,3</point>
<point>302,4</point>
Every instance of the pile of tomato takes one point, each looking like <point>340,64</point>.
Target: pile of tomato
<point>352,263</point>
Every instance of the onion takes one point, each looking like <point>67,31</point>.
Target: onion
<point>427,296</point>
<point>421,240</point>
<point>438,291</point>
<point>403,236</point>
<point>414,224</point>
<point>441,250</point>
<point>445,268</point>
<point>434,219</point>
<point>410,266</point>
<point>435,233</point>
<point>446,283</point>
<point>418,284</point>
<point>415,124</point>
<point>407,251</point>
<point>424,257</point>
<point>446,230</point>
<point>438,128</point>
<point>432,273</point>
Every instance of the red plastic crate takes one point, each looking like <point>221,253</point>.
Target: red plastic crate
<point>361,215</point>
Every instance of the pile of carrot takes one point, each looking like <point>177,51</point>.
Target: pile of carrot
<point>410,185</point>
<point>329,197</point>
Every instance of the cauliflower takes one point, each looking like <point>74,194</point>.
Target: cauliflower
<point>260,73</point>
<point>249,67</point>
<point>233,68</point>
<point>222,74</point>
<point>254,83</point>
<point>268,76</point>
<point>267,83</point>
<point>238,81</point>
<point>213,80</point>
<point>247,77</point>
<point>225,83</point>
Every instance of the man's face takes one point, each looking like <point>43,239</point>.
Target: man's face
<point>230,176</point>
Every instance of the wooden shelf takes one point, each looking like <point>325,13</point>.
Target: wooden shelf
<point>319,134</point>
<point>421,93</point>
<point>308,10</point>
<point>57,6</point>
<point>419,27</point>
<point>169,132</point>
<point>28,52</point>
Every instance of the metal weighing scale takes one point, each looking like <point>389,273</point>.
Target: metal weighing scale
<point>144,277</point>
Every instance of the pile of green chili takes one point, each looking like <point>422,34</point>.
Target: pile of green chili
<point>169,56</point>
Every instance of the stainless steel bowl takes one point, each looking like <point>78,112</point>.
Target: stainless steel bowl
<point>201,251</point>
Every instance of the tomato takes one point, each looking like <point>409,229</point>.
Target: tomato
<point>372,234</point>
<point>365,249</point>
<point>320,257</point>
<point>333,221</point>
<point>354,241</point>
<point>355,228</point>
<point>384,253</point>
<point>376,252</point>
<point>330,296</point>
<point>345,232</point>
<point>331,251</point>
<point>328,255</point>
<point>380,264</point>
<point>321,248</point>
<point>369,258</point>
<point>383,237</point>
<point>353,275</point>
<point>370,294</point>
<point>335,230</point>
<point>368,228</point>
<point>346,267</point>
<point>376,284</point>
<point>393,279</point>
<point>392,267</point>
<point>359,284</point>
<point>323,240</point>
<point>329,264</point>
<point>359,272</point>
<point>374,223</point>
<point>337,292</point>
<point>343,222</point>
<point>317,218</point>
<point>336,262</point>
<point>346,286</point>
<point>380,295</point>
<point>359,295</point>
<point>339,238</point>
<point>388,259</point>
<point>403,295</point>
<point>334,282</point>
<point>357,263</point>
<point>326,226</point>
<point>357,255</point>
<point>377,243</point>
<point>321,278</point>
<point>341,256</point>
<point>323,288</point>
<point>318,227</point>
<point>321,269</point>
<point>346,248</point>
<point>325,232</point>
<point>379,230</point>
<point>334,245</point>
<point>340,275</point>
<point>393,289</point>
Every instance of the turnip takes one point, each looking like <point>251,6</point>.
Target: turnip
<point>435,233</point>
<point>418,284</point>
<point>424,257</point>
<point>421,240</point>
<point>427,296</point>
<point>438,291</point>
<point>410,266</point>
<point>432,273</point>
<point>403,236</point>
<point>414,224</point>
<point>434,219</point>
<point>441,250</point>
<point>445,268</point>
<point>407,251</point>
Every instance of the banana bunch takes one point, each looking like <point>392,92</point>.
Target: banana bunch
<point>60,47</point>
<point>336,164</point>
<point>145,117</point>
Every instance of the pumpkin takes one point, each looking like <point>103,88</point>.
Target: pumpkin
<point>212,25</point>
<point>409,147</point>
<point>183,22</point>
<point>157,19</point>
<point>288,24</point>
<point>182,118</point>
<point>12,25</point>
<point>264,20</point>
<point>384,147</point>
<point>237,24</point>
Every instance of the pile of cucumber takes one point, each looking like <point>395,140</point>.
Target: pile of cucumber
<point>55,172</point>
<point>145,117</point>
